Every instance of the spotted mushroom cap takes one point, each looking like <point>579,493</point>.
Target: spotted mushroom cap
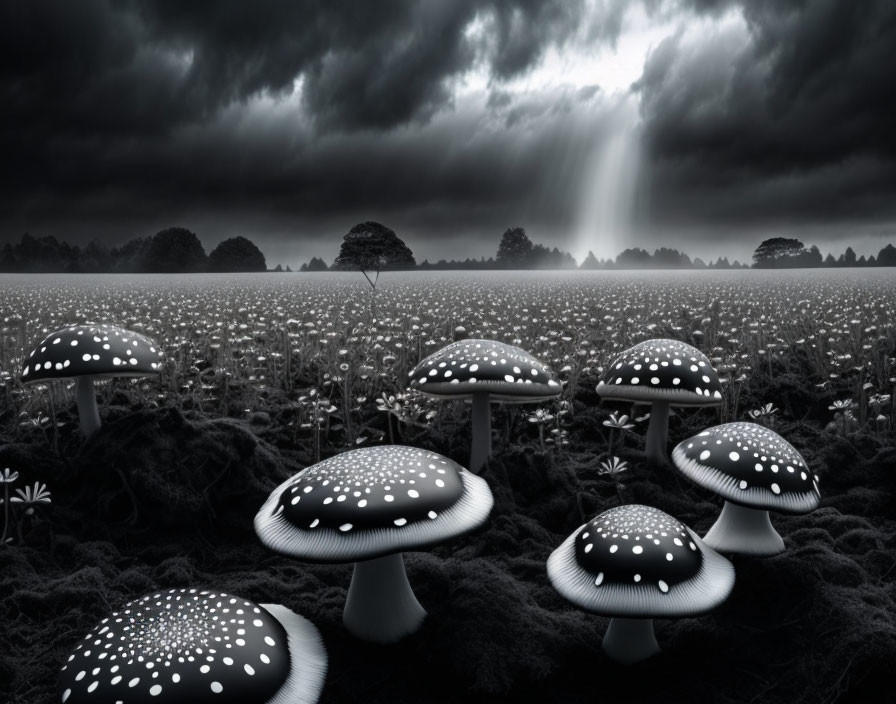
<point>662,370</point>
<point>371,502</point>
<point>636,561</point>
<point>91,350</point>
<point>750,465</point>
<point>187,645</point>
<point>507,373</point>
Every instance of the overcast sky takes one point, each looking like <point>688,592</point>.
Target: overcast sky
<point>703,125</point>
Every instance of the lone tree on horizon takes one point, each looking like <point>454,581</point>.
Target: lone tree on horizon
<point>514,250</point>
<point>777,251</point>
<point>372,247</point>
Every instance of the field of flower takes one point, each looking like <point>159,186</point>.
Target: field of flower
<point>265,374</point>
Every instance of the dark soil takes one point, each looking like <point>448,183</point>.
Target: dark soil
<point>159,499</point>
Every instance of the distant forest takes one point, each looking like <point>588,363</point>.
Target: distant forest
<point>174,250</point>
<point>178,250</point>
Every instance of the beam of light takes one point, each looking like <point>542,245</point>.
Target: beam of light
<point>607,197</point>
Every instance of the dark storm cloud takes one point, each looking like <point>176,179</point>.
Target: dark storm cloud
<point>268,118</point>
<point>789,120</point>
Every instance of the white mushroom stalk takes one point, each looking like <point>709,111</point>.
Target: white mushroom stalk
<point>367,506</point>
<point>85,398</point>
<point>743,530</point>
<point>663,373</point>
<point>87,353</point>
<point>756,471</point>
<point>484,372</point>
<point>635,563</point>
<point>381,606</point>
<point>630,640</point>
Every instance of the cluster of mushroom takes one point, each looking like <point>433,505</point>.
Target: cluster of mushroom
<point>368,506</point>
<point>636,563</point>
<point>365,506</point>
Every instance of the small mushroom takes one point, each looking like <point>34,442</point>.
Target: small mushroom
<point>366,506</point>
<point>186,645</point>
<point>755,470</point>
<point>663,373</point>
<point>635,563</point>
<point>86,353</point>
<point>484,371</point>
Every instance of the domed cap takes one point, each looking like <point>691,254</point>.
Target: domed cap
<point>639,562</point>
<point>371,502</point>
<point>662,370</point>
<point>91,350</point>
<point>506,372</point>
<point>196,646</point>
<point>750,465</point>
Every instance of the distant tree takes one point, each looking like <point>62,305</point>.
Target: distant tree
<point>514,250</point>
<point>699,263</point>
<point>372,247</point>
<point>590,262</point>
<point>887,256</point>
<point>173,250</point>
<point>236,254</point>
<point>777,252</point>
<point>849,257</point>
<point>634,258</point>
<point>829,260</point>
<point>812,257</point>
<point>317,264</point>
<point>872,261</point>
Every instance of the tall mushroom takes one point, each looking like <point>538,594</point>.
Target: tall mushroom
<point>756,471</point>
<point>186,645</point>
<point>484,371</point>
<point>86,353</point>
<point>367,506</point>
<point>635,563</point>
<point>663,373</point>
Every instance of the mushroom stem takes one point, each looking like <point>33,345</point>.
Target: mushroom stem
<point>481,446</point>
<point>85,397</point>
<point>743,530</point>
<point>657,432</point>
<point>630,640</point>
<point>381,606</point>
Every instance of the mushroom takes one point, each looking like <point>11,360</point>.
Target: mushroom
<point>86,353</point>
<point>663,373</point>
<point>366,506</point>
<point>635,563</point>
<point>186,645</point>
<point>755,470</point>
<point>484,371</point>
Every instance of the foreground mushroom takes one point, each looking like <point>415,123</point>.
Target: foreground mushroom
<point>484,371</point>
<point>663,373</point>
<point>366,506</point>
<point>636,563</point>
<point>185,645</point>
<point>756,471</point>
<point>86,353</point>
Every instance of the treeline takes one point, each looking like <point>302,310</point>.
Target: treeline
<point>515,251</point>
<point>789,253</point>
<point>174,250</point>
